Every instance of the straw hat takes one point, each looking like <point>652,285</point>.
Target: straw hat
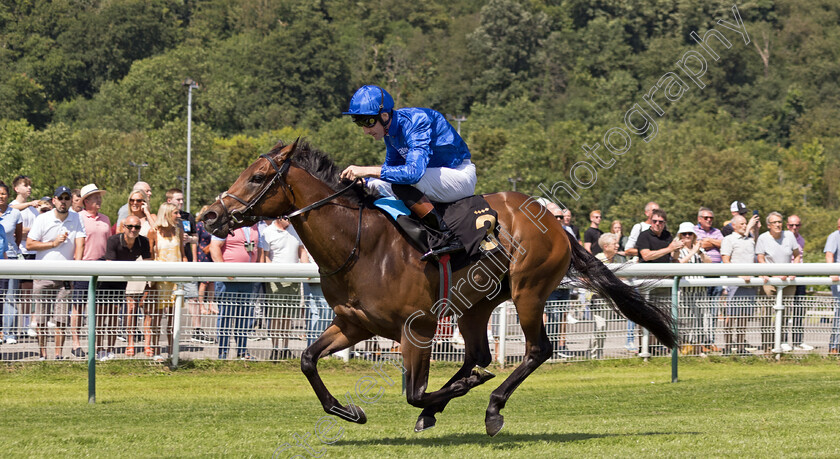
<point>90,190</point>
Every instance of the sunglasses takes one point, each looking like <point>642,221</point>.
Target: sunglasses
<point>133,227</point>
<point>657,222</point>
<point>136,200</point>
<point>365,121</point>
<point>63,198</point>
<point>707,217</point>
<point>795,225</point>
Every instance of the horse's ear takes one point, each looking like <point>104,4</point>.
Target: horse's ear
<point>287,151</point>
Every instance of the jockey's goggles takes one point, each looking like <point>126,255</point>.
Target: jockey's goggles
<point>365,121</point>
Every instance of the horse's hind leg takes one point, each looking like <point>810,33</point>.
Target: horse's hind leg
<point>473,327</point>
<point>538,350</point>
<point>415,345</point>
<point>339,335</point>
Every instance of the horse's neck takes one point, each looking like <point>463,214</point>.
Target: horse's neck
<point>328,232</point>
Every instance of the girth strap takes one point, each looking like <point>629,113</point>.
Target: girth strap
<point>445,280</point>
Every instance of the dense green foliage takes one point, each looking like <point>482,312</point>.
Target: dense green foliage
<point>727,408</point>
<point>86,86</point>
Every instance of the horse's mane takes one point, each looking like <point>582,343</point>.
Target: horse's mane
<point>322,167</point>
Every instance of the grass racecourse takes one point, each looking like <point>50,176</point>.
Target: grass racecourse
<point>720,408</point>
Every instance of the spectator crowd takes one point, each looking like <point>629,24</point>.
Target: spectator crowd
<point>69,226</point>
<point>133,316</point>
<point>737,240</point>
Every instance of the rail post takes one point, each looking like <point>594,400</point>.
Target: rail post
<point>344,354</point>
<point>502,335</point>
<point>675,352</point>
<point>176,324</point>
<point>644,351</point>
<point>777,334</point>
<point>91,313</point>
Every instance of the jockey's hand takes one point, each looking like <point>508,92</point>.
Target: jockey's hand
<point>354,172</point>
<point>350,173</point>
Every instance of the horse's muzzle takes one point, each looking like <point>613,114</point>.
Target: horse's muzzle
<point>214,223</point>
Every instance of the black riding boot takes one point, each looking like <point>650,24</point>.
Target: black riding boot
<point>440,238</point>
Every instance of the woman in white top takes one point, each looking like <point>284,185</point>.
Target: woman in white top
<point>692,298</point>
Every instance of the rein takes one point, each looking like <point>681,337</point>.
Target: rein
<point>352,252</point>
<point>244,215</point>
<point>323,202</point>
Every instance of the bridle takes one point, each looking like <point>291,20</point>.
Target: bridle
<point>245,215</point>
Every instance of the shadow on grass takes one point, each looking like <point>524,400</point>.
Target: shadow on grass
<point>500,441</point>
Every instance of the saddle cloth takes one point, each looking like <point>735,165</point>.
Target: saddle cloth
<point>470,218</point>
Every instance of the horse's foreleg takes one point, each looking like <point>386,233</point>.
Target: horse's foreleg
<point>339,335</point>
<point>477,355</point>
<point>538,350</point>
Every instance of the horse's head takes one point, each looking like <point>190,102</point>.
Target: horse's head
<point>247,200</point>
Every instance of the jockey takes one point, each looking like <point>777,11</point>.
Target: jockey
<point>424,156</point>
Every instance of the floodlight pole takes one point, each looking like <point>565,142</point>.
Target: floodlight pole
<point>139,167</point>
<point>458,120</point>
<point>190,84</point>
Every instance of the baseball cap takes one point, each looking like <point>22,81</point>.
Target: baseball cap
<point>686,227</point>
<point>62,190</point>
<point>738,206</point>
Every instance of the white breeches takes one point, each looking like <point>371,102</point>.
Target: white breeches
<point>440,184</point>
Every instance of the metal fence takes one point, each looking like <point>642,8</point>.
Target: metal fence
<point>52,323</point>
<point>163,315</point>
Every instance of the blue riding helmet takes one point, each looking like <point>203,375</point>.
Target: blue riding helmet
<point>370,100</point>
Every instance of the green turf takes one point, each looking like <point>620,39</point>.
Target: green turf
<point>746,408</point>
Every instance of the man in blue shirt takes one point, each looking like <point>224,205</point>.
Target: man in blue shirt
<point>425,158</point>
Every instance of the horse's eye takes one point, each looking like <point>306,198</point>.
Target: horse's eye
<point>258,178</point>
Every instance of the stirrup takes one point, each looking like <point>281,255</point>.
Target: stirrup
<point>454,246</point>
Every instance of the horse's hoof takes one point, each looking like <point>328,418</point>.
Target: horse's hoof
<point>351,413</point>
<point>424,423</point>
<point>362,418</point>
<point>494,424</point>
<point>482,374</point>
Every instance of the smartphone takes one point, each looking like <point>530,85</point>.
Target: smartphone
<point>755,212</point>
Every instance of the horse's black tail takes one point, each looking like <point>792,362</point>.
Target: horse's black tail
<point>593,275</point>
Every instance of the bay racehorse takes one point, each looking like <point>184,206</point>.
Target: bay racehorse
<point>377,285</point>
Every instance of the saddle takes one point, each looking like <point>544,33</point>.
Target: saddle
<point>471,218</point>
